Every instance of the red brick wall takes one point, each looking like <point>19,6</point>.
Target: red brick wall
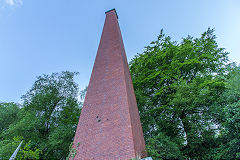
<point>109,126</point>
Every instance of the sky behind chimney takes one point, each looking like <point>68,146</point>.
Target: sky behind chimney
<point>41,37</point>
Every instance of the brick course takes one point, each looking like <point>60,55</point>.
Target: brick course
<point>109,127</point>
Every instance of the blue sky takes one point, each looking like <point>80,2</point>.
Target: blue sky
<point>44,36</point>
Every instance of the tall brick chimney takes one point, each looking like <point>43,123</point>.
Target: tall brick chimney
<point>109,127</point>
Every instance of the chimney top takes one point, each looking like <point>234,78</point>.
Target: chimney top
<point>112,11</point>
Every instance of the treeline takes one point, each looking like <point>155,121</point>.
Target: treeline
<point>188,96</point>
<point>46,121</point>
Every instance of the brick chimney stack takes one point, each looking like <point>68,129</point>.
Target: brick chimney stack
<point>109,127</point>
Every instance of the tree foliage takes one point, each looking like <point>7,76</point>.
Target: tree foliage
<point>176,86</point>
<point>48,117</point>
<point>229,137</point>
<point>8,112</point>
<point>7,148</point>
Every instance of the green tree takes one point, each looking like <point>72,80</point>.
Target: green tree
<point>229,136</point>
<point>49,115</point>
<point>7,148</point>
<point>176,85</point>
<point>8,113</point>
<point>162,147</point>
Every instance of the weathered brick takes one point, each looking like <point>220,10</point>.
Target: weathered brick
<point>109,127</point>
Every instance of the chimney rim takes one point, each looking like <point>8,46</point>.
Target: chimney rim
<point>111,11</point>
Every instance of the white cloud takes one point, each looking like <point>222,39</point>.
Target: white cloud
<point>10,2</point>
<point>13,2</point>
